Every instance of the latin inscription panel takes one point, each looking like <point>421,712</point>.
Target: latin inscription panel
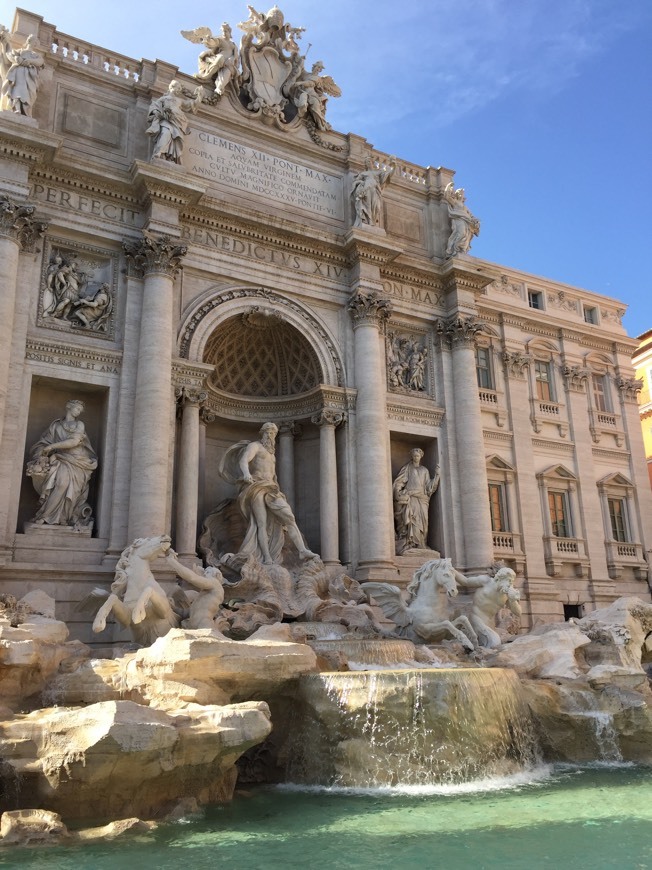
<point>259,175</point>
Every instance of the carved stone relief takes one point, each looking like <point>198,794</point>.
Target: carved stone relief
<point>78,289</point>
<point>407,358</point>
<point>563,302</point>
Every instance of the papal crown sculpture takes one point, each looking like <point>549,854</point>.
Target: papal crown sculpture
<point>268,72</point>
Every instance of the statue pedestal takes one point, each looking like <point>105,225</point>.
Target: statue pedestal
<point>411,560</point>
<point>45,532</point>
<point>17,118</point>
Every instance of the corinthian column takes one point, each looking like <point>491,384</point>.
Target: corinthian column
<point>327,421</point>
<point>188,476</point>
<point>459,333</point>
<point>370,311</point>
<point>18,231</point>
<point>157,260</point>
<point>285,459</point>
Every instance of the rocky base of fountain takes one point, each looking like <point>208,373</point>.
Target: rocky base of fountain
<point>134,735</point>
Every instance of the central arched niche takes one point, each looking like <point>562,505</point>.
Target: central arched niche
<point>258,354</point>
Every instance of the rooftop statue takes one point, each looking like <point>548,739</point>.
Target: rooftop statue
<point>19,71</point>
<point>268,73</point>
<point>251,466</point>
<point>218,63</point>
<point>367,192</point>
<point>168,122</point>
<point>463,224</point>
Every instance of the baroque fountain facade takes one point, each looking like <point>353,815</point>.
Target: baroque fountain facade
<point>229,329</point>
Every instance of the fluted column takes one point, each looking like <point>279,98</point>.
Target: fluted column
<point>158,260</point>
<point>370,311</point>
<point>188,473</point>
<point>328,420</point>
<point>459,333</point>
<point>18,231</point>
<point>285,459</point>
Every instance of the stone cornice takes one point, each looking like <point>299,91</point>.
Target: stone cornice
<point>73,355</point>
<point>363,247</point>
<point>458,275</point>
<point>606,453</point>
<point>166,183</point>
<point>87,181</point>
<point>192,375</point>
<point>500,437</point>
<point>281,408</point>
<point>27,143</point>
<point>567,447</point>
<point>262,233</point>
<point>422,412</point>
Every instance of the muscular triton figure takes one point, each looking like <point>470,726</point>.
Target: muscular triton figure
<point>251,465</point>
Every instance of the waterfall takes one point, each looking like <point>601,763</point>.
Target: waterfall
<point>409,727</point>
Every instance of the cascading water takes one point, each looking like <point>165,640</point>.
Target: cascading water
<point>409,727</point>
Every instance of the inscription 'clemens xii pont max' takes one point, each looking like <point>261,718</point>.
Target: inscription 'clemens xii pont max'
<point>253,172</point>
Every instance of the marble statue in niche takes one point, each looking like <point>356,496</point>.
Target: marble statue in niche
<point>463,224</point>
<point>168,123</point>
<point>406,363</point>
<point>77,293</point>
<point>367,192</point>
<point>218,63</point>
<point>19,70</point>
<point>412,490</point>
<point>61,464</point>
<point>251,466</point>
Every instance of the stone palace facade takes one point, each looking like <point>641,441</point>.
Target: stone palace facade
<point>188,288</point>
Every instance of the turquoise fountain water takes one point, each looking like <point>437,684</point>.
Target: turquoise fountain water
<point>588,819</point>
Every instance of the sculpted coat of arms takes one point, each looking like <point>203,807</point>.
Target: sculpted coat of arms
<point>267,73</point>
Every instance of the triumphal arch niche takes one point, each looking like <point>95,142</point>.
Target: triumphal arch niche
<point>270,359</point>
<point>189,254</point>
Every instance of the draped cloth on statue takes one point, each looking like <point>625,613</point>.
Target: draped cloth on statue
<point>275,502</point>
<point>62,479</point>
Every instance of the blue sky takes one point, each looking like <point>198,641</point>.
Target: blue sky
<point>543,108</point>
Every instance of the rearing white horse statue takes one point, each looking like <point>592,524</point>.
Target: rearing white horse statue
<point>424,617</point>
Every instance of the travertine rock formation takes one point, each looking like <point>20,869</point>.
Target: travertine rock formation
<point>117,758</point>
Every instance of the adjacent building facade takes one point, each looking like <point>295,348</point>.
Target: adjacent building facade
<point>242,285</point>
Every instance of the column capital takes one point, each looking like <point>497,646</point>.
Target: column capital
<point>151,254</point>
<point>576,377</point>
<point>328,417</point>
<point>206,416</point>
<point>515,363</point>
<point>17,222</point>
<point>369,306</point>
<point>190,395</point>
<point>629,388</point>
<point>460,330</point>
<point>290,427</point>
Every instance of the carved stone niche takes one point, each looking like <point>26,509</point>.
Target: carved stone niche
<point>78,289</point>
<point>407,362</point>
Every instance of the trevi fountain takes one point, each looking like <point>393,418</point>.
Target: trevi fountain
<point>342,661</point>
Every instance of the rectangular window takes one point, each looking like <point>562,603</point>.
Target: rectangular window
<point>543,379</point>
<point>497,508</point>
<point>618,517</point>
<point>600,392</point>
<point>573,611</point>
<point>559,514</point>
<point>483,368</point>
<point>535,299</point>
<point>590,314</point>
